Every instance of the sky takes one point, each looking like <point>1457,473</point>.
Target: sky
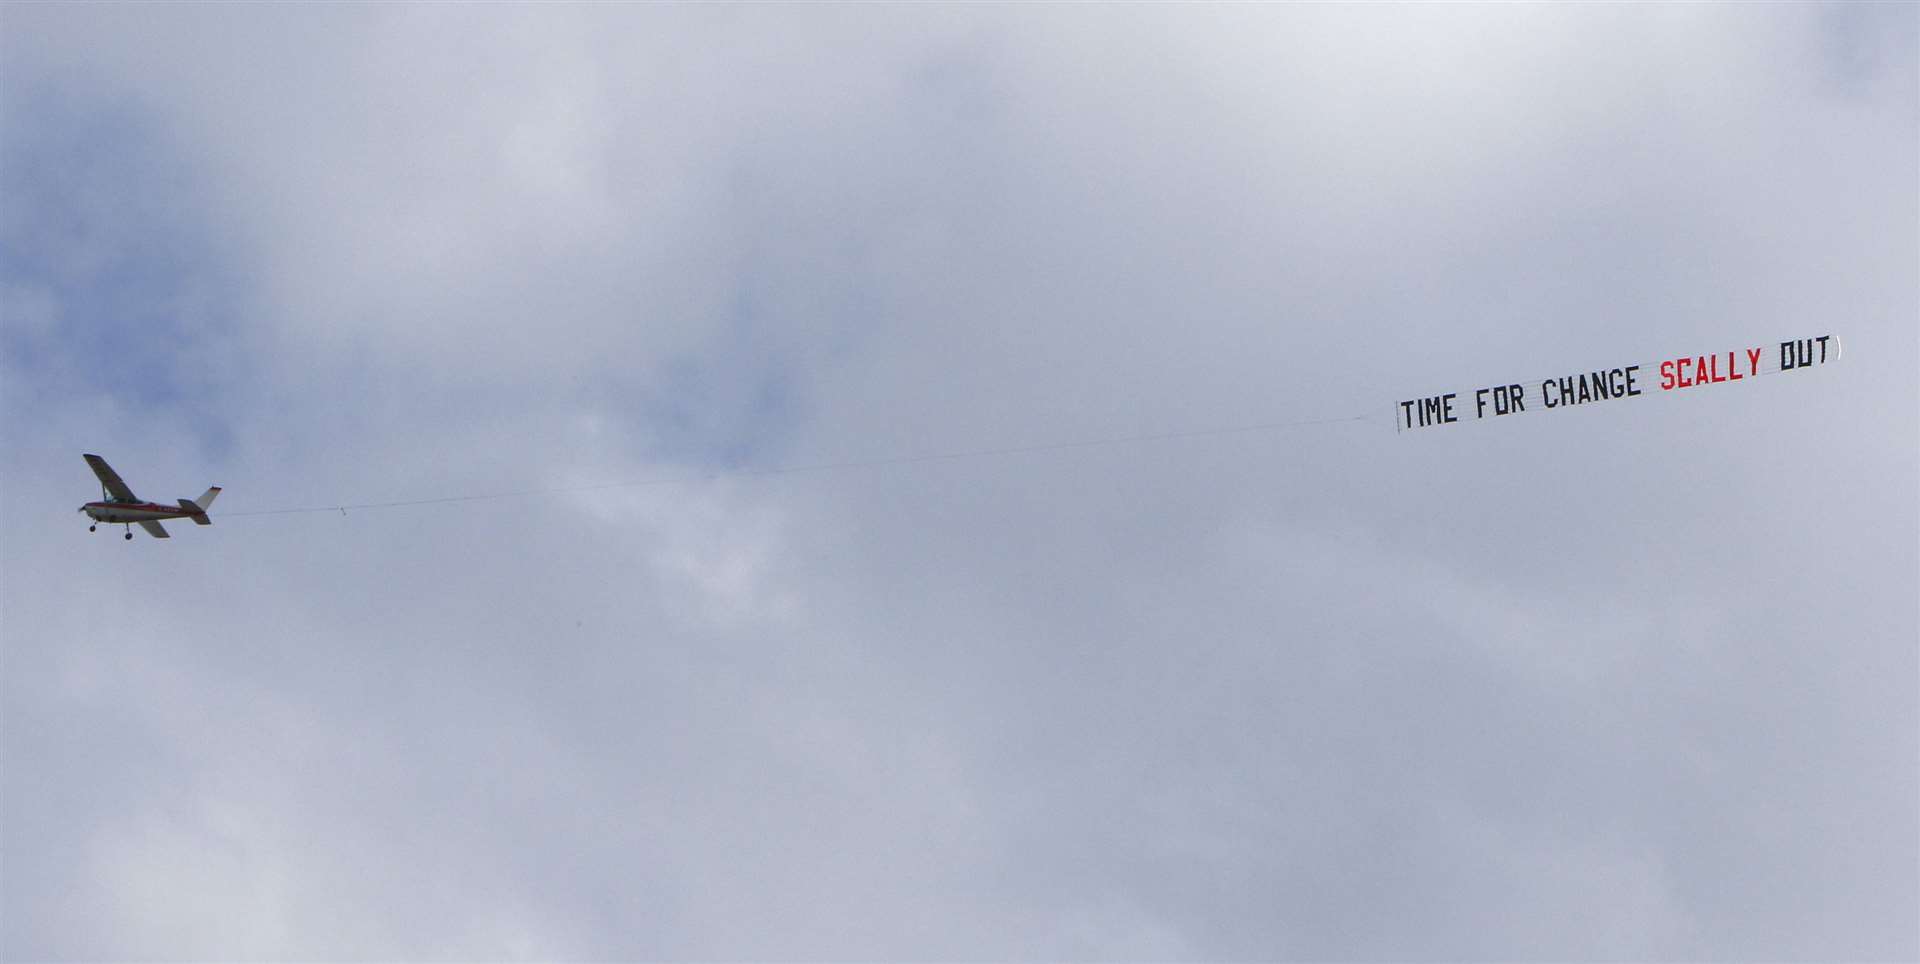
<point>1628,681</point>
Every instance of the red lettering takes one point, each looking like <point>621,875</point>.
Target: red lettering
<point>1753,361</point>
<point>1733,374</point>
<point>1701,374</point>
<point>1681,367</point>
<point>1666,376</point>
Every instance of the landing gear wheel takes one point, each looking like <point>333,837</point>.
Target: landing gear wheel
<point>92,528</point>
<point>129,533</point>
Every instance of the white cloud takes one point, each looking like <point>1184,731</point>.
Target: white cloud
<point>1586,685</point>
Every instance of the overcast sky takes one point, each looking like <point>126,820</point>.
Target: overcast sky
<point>1627,681</point>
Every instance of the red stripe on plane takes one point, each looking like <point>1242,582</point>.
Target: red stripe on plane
<point>141,507</point>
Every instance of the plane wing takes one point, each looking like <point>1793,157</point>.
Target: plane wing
<point>110,480</point>
<point>155,530</point>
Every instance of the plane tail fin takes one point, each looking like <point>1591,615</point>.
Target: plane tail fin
<point>197,509</point>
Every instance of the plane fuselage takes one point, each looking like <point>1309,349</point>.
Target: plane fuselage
<point>123,512</point>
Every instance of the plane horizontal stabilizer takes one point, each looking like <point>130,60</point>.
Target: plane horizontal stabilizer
<point>198,514</point>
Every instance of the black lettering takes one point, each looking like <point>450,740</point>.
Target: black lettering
<point>1632,391</point>
<point>1823,347</point>
<point>1802,353</point>
<point>1406,412</point>
<point>1447,406</point>
<point>1480,402</point>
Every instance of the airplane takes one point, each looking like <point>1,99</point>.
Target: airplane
<point>118,504</point>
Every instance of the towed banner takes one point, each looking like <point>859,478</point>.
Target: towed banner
<point>1607,384</point>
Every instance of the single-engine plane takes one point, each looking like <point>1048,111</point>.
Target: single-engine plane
<point>119,506</point>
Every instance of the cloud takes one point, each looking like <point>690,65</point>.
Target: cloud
<point>1621,682</point>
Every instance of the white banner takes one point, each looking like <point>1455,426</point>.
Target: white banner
<point>1610,384</point>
